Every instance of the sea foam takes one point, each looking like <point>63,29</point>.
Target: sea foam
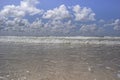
<point>76,40</point>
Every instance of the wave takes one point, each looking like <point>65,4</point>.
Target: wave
<point>74,40</point>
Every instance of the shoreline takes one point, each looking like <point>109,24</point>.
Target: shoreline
<point>59,40</point>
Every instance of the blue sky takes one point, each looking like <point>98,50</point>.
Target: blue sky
<point>66,17</point>
<point>103,8</point>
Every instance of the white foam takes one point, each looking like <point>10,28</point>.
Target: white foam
<point>78,39</point>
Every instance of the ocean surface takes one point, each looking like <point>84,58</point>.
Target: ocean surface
<point>59,58</point>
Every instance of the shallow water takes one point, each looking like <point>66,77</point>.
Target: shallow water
<point>59,61</point>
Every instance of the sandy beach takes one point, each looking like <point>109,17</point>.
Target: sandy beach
<point>25,61</point>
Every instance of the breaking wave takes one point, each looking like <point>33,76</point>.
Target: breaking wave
<point>77,40</point>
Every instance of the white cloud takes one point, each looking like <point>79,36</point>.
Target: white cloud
<point>59,27</point>
<point>60,20</point>
<point>29,3</point>
<point>117,24</point>
<point>16,24</point>
<point>83,14</point>
<point>25,7</point>
<point>88,29</point>
<point>12,11</point>
<point>29,6</point>
<point>37,25</point>
<point>57,13</point>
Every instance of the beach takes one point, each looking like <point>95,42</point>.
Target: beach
<point>59,61</point>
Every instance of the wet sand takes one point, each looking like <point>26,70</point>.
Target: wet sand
<point>59,61</point>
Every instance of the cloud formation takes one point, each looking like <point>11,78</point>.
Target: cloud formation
<point>83,14</point>
<point>26,7</point>
<point>57,13</point>
<point>116,24</point>
<point>62,20</point>
<point>88,28</point>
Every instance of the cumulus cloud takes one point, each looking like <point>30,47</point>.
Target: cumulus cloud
<point>12,11</point>
<point>116,24</point>
<point>59,27</point>
<point>26,7</point>
<point>62,20</point>
<point>29,6</point>
<point>87,29</point>
<point>16,24</point>
<point>83,14</point>
<point>57,13</point>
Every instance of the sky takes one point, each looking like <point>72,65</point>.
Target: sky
<point>60,17</point>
